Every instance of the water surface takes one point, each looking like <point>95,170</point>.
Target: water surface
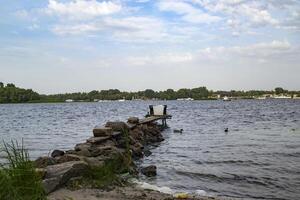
<point>259,158</point>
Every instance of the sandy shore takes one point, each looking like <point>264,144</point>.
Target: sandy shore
<point>118,193</point>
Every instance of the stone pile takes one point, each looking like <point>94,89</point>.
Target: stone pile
<point>112,139</point>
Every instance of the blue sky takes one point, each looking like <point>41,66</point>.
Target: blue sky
<point>57,46</point>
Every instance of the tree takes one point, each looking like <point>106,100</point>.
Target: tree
<point>10,85</point>
<point>1,85</point>
<point>279,90</point>
<point>149,94</point>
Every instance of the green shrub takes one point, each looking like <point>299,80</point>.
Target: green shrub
<point>18,178</point>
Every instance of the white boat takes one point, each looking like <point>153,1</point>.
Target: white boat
<point>282,97</point>
<point>69,101</point>
<point>121,100</point>
<point>226,99</point>
<point>261,98</point>
<point>185,99</point>
<point>103,101</point>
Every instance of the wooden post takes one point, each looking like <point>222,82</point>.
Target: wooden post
<point>164,123</point>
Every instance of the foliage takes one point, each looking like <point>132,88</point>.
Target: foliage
<point>12,94</point>
<point>18,178</point>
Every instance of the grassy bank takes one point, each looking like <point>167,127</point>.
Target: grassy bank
<point>18,178</point>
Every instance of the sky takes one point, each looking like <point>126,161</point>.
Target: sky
<point>57,46</point>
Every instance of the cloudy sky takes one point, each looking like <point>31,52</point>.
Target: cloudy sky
<point>57,46</point>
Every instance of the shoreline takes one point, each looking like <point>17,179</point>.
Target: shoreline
<point>109,101</point>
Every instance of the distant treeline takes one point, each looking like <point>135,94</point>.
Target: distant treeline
<point>9,93</point>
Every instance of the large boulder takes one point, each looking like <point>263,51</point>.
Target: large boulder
<point>117,126</point>
<point>149,171</point>
<point>100,131</point>
<point>58,175</point>
<point>43,162</point>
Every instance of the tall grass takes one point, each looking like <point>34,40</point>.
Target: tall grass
<point>18,178</point>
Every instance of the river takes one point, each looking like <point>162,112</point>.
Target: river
<point>258,158</point>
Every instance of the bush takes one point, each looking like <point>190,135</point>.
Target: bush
<point>18,178</point>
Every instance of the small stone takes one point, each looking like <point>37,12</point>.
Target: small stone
<point>97,140</point>
<point>117,135</point>
<point>57,153</point>
<point>117,126</point>
<point>94,162</point>
<point>100,131</point>
<point>42,162</point>
<point>101,150</point>
<point>82,146</point>
<point>133,120</point>
<point>147,153</point>
<point>83,149</point>
<point>70,152</point>
<point>149,171</point>
<point>67,158</point>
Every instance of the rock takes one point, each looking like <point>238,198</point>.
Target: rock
<point>133,120</point>
<point>67,158</point>
<point>56,153</point>
<point>97,140</point>
<point>178,130</point>
<point>136,152</point>
<point>102,150</point>
<point>41,172</point>
<point>83,149</point>
<point>70,152</point>
<point>82,146</point>
<point>149,171</point>
<point>117,126</point>
<point>94,161</point>
<point>121,143</point>
<point>60,174</point>
<point>43,162</point>
<point>100,131</point>
<point>147,153</point>
<point>117,135</point>
<point>50,184</point>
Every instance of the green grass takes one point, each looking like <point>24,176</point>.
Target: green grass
<point>18,178</point>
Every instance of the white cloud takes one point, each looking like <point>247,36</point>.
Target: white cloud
<point>145,29</point>
<point>82,9</point>
<point>128,29</point>
<point>167,58</point>
<point>269,52</point>
<point>254,13</point>
<point>251,53</point>
<point>75,29</point>
<point>189,13</point>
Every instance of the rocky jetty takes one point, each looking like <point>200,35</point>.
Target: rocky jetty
<point>122,140</point>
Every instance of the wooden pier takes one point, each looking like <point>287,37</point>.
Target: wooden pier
<point>153,115</point>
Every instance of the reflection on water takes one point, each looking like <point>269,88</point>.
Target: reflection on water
<point>258,158</point>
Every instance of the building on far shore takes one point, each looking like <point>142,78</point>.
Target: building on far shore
<point>69,100</point>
